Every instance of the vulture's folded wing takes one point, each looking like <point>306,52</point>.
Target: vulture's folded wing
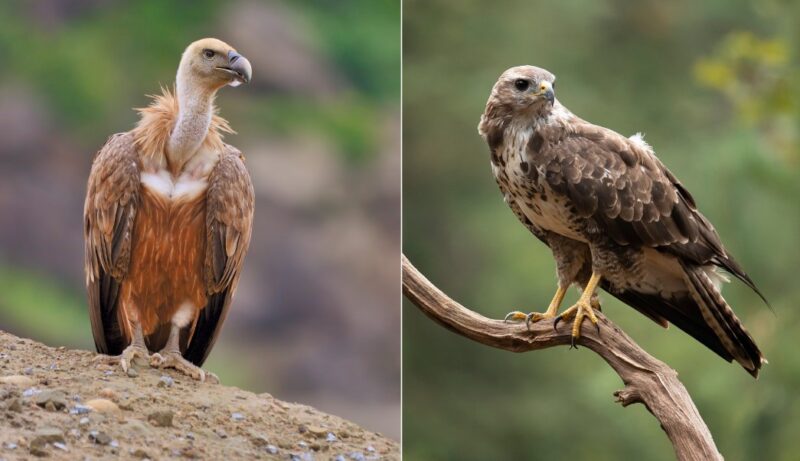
<point>229,221</point>
<point>112,199</point>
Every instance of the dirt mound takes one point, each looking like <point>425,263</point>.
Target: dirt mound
<point>55,402</point>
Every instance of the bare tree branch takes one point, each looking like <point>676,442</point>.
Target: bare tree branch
<point>647,380</point>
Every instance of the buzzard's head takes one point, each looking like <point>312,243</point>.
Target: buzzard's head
<point>211,64</point>
<point>524,90</point>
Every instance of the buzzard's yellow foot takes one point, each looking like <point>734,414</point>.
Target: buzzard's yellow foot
<point>176,361</point>
<point>126,358</point>
<point>529,318</point>
<point>534,317</point>
<point>580,311</point>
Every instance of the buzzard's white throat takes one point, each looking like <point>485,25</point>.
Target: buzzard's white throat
<point>552,214</point>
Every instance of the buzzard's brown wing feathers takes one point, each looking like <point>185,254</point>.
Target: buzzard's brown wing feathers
<point>229,221</point>
<point>109,213</point>
<point>632,196</point>
<point>622,187</point>
<point>634,200</point>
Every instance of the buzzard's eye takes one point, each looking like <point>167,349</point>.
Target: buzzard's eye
<point>521,84</point>
<point>208,54</point>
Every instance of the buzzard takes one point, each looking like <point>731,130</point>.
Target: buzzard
<point>167,221</point>
<point>613,215</point>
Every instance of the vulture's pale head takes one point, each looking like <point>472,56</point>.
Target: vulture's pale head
<point>524,90</point>
<point>210,64</point>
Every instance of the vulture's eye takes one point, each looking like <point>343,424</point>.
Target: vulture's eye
<point>208,54</point>
<point>521,84</point>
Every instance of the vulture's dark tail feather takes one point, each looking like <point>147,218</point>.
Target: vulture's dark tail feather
<point>114,338</point>
<point>207,328</point>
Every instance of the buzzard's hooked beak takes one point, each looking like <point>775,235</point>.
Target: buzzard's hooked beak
<point>238,67</point>
<point>546,90</point>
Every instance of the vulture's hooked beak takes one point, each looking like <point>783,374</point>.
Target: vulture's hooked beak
<point>238,67</point>
<point>546,90</point>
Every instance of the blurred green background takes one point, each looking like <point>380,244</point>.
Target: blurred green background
<point>315,318</point>
<point>715,86</point>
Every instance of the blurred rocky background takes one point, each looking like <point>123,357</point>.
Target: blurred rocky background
<point>715,87</point>
<point>316,317</point>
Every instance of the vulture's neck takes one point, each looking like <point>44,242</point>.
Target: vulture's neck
<point>195,108</point>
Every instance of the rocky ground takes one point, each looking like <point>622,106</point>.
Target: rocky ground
<point>57,403</point>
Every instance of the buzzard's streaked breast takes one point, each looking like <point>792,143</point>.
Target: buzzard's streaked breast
<point>522,176</point>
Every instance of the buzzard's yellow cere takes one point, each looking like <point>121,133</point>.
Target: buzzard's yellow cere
<point>613,215</point>
<point>168,218</point>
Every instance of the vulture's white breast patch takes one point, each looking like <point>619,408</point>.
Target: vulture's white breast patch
<point>184,187</point>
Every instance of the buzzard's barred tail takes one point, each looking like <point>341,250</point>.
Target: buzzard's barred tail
<point>719,316</point>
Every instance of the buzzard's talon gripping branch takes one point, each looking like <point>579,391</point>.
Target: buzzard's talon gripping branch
<point>582,309</point>
<point>516,316</point>
<point>534,317</point>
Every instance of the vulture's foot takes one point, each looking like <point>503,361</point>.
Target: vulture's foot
<point>176,361</point>
<point>127,358</point>
<point>581,310</point>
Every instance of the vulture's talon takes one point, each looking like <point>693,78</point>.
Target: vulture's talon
<point>127,358</point>
<point>176,361</point>
<point>212,378</point>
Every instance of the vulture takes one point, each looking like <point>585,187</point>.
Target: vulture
<point>167,222</point>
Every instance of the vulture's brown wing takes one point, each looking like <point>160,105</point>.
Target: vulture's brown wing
<point>229,221</point>
<point>112,199</point>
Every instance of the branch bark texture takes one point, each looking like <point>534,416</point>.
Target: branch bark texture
<point>647,380</point>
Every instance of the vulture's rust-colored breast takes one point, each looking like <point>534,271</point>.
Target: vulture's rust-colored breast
<point>168,251</point>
